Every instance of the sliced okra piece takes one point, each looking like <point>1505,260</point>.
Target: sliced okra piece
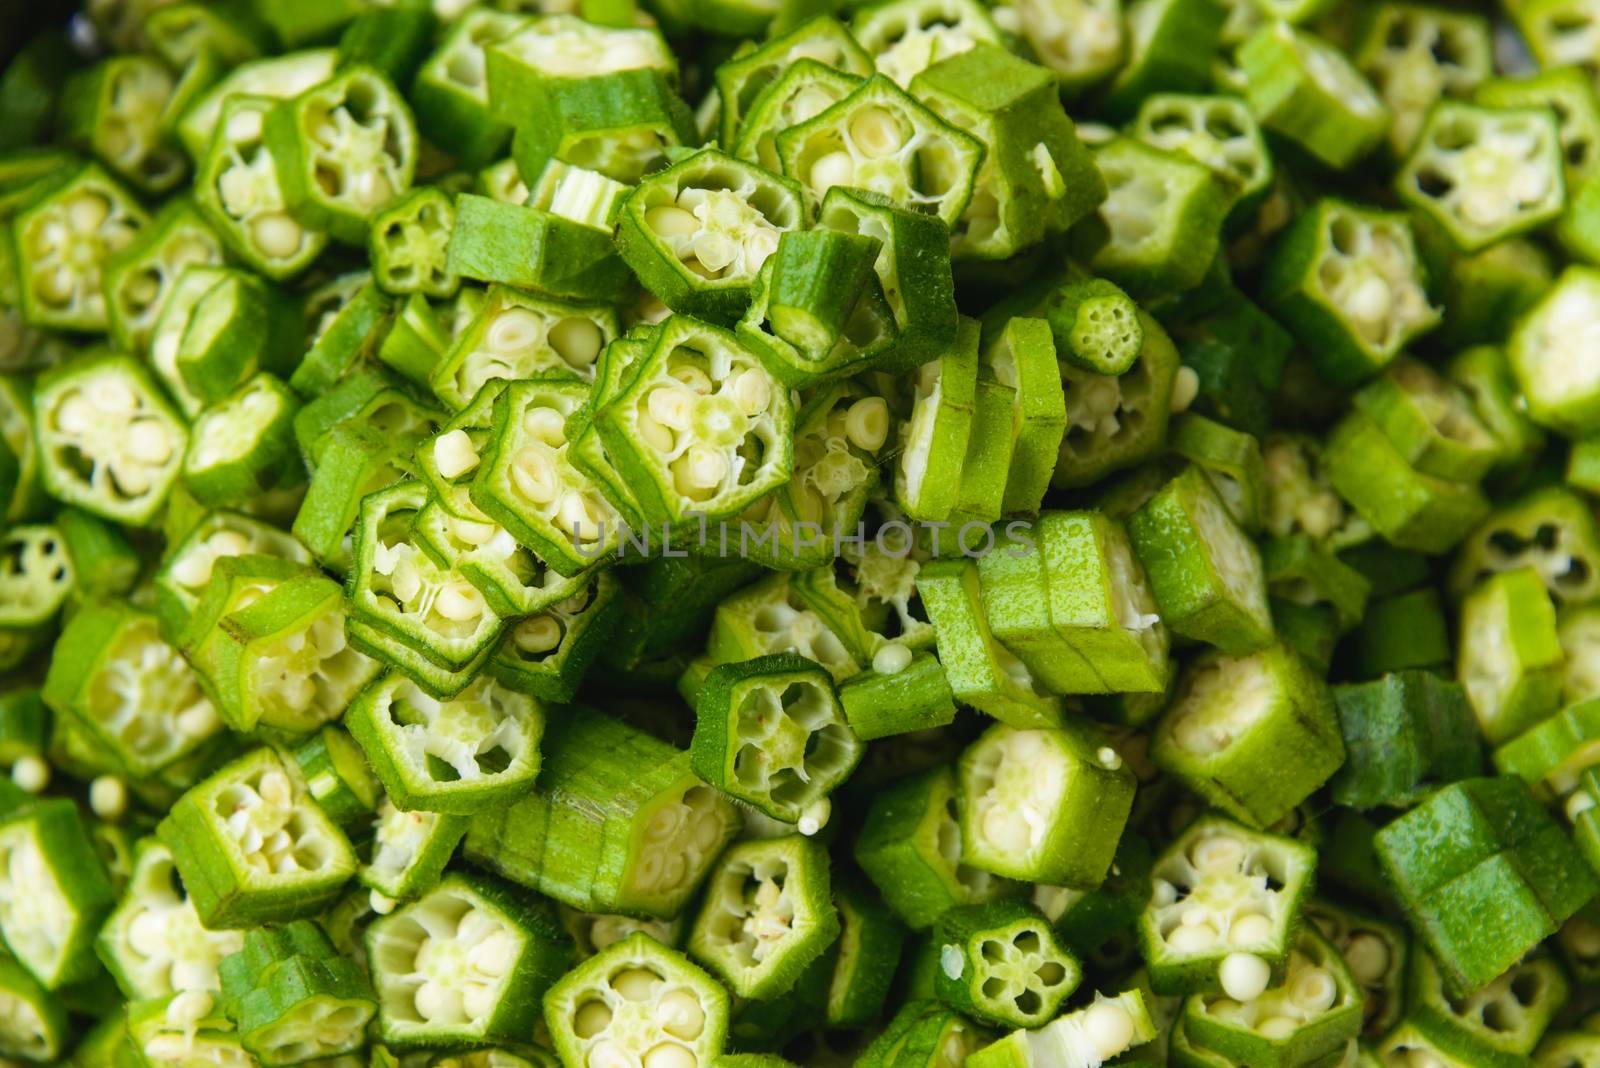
<point>466,964</point>
<point>1314,1012</point>
<point>935,437</point>
<point>767,914</point>
<point>1017,607</point>
<point>417,340</point>
<point>1557,32</point>
<point>370,399</point>
<point>770,617</point>
<point>1415,54</point>
<point>347,321</point>
<point>408,242</point>
<point>1300,571</point>
<point>1431,421</point>
<point>1000,963</point>
<point>22,493</point>
<point>1485,174</point>
<point>167,333</point>
<point>187,569</point>
<point>450,92</point>
<point>1579,630</point>
<point>394,41</point>
<point>925,1033</point>
<point>35,1027</point>
<point>1095,326</point>
<point>1557,758</point>
<point>915,697</point>
<point>866,955</point>
<point>817,310</point>
<point>771,733</point>
<point>1407,630</point>
<point>985,469</point>
<point>906,37</point>
<point>548,654</point>
<point>805,89</point>
<point>634,1001</point>
<point>881,139</point>
<point>292,996</point>
<point>1376,951</point>
<point>1080,41</point>
<point>241,190</point>
<point>1510,659</point>
<point>1564,90</point>
<point>447,460</point>
<point>64,242</point>
<point>1091,922</point>
<point>595,932</point>
<point>356,461</point>
<point>579,194</point>
<point>1509,1015</point>
<point>409,850</point>
<point>344,150</point>
<point>252,846</point>
<point>1170,48</point>
<point>139,278</point>
<point>1232,461</point>
<point>1239,724</point>
<point>743,79</point>
<point>1117,421</point>
<point>243,445</point>
<point>982,672</point>
<point>1303,88</point>
<point>31,86</point>
<point>1482,292</point>
<point>1158,228</point>
<point>435,679</point>
<point>1036,176</point>
<point>1217,131</point>
<point>36,575</point>
<point>702,427</point>
<point>1404,734</point>
<point>338,777</point>
<point>550,54</point>
<point>24,725</point>
<point>1560,391</point>
<point>237,327</point>
<point>1205,574</point>
<point>621,126</point>
<point>1105,1028</point>
<point>518,336</point>
<point>697,233</point>
<point>55,892</point>
<point>113,109</point>
<point>1043,804</point>
<point>617,823</point>
<point>532,248</point>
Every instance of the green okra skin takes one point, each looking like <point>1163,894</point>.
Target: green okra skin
<point>244,444</point>
<point>37,1028</point>
<point>1301,571</point>
<point>408,244</point>
<point>1304,89</point>
<point>181,580</point>
<point>1103,1029</point>
<point>1510,657</point>
<point>546,56</point>
<point>292,996</point>
<point>30,88</point>
<point>113,110</point>
<point>1231,460</point>
<point>369,399</point>
<point>1520,1018</point>
<point>450,93</point>
<point>177,237</point>
<point>392,41</point>
<point>548,655</point>
<point>338,777</point>
<point>1234,746</point>
<point>1540,353</point>
<point>780,887</point>
<point>57,892</point>
<point>1495,286</point>
<point>742,80</point>
<point>1043,805</point>
<point>1404,734</point>
<point>1000,963</point>
<point>915,698</point>
<point>1565,1047</point>
<point>344,336</point>
<point>935,438</point>
<point>356,461</point>
<point>25,724</point>
<point>867,954</point>
<point>925,1032</point>
<point>1023,356</point>
<point>1087,920</point>
<point>409,850</point>
<point>1432,423</point>
<point>1406,631</point>
<point>534,249</point>
<point>1117,422</point>
<point>1472,842</point>
<point>1170,43</point>
<point>416,342</point>
<point>622,125</point>
<point>1550,530</point>
<point>39,577</point>
<point>1219,132</point>
<point>985,470</point>
<point>817,280</point>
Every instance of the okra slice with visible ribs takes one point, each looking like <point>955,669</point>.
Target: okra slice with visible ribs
<point>409,851</point>
<point>407,244</point>
<point>1116,421</point>
<point>293,997</point>
<point>1023,356</point>
<point>243,445</point>
<point>1095,326</point>
<point>1237,725</point>
<point>536,248</point>
<point>1232,461</point>
<point>934,438</point>
<point>1564,90</point>
<point>1217,131</point>
<point>138,279</point>
<point>637,1002</point>
<point>1561,392</point>
<point>767,914</point>
<point>547,655</point>
<point>881,139</point>
<point>344,150</point>
<point>1348,283</point>
<point>241,190</point>
<point>36,575</point>
<point>1000,963</point>
<point>1405,733</point>
<point>548,54</point>
<point>167,333</point>
<point>466,964</point>
<point>35,1026</point>
<point>865,957</point>
<point>906,37</point>
<point>925,1033</point>
<point>22,494</point>
<point>450,92</point>
<point>183,576</point>
<point>1431,421</point>
<point>1204,572</point>
<point>1105,1028</point>
<point>153,941</point>
<point>1416,54</point>
<point>64,242</point>
<point>769,616</point>
<point>1485,174</point>
<point>113,109</point>
<point>338,777</point>
<point>1080,41</point>
<point>1303,88</point>
<point>252,846</point>
<point>115,675</point>
<point>54,892</point>
<point>622,125</point>
<point>1313,1012</point>
<point>800,92</point>
<point>1508,1016</point>
<point>1225,903</point>
<point>1043,805</point>
<point>770,732</point>
<point>1510,657</point>
<point>742,80</point>
<point>697,233</point>
<point>516,336</point>
<point>595,932</point>
<point>1376,952</point>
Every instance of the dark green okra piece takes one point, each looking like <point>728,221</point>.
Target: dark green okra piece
<point>1510,656</point>
<point>243,445</point>
<point>535,249</point>
<point>357,461</point>
<point>866,956</point>
<point>1231,460</point>
<point>1023,356</point>
<point>347,321</point>
<point>25,724</point>
<point>1301,571</point>
<point>1000,963</point>
<point>1408,630</point>
<point>394,41</point>
<point>1088,921</point>
<point>293,997</point>
<point>1556,758</point>
<point>1404,735</point>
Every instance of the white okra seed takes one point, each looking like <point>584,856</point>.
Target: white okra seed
<point>1244,976</point>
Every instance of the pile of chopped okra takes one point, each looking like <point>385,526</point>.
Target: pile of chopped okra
<point>752,533</point>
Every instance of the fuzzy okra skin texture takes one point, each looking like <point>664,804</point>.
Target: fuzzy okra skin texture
<point>666,534</point>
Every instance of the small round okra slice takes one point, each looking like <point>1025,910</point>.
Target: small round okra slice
<point>1415,54</point>
<point>1305,89</point>
<point>906,37</point>
<point>1561,390</point>
<point>515,336</point>
<point>1091,1035</point>
<point>770,732</point>
<point>1095,325</point>
<point>345,150</point>
<point>240,189</point>
<point>881,139</point>
<point>243,445</point>
<point>1508,1015</point>
<point>636,1004</point>
<point>153,941</point>
<point>1001,964</point>
<point>803,90</point>
<point>697,232</point>
<point>466,964</point>
<point>54,892</point>
<point>1431,421</point>
<point>407,244</point>
<point>1217,131</point>
<point>477,750</point>
<point>64,242</point>
<point>139,278</point>
<point>114,110</point>
<point>409,852</point>
<point>253,847</point>
<point>33,1023</point>
<point>767,913</point>
<point>1485,174</point>
<point>703,427</point>
<point>217,536</point>
<point>1314,1012</point>
<point>1044,805</point>
<point>293,997</point>
<point>36,575</point>
<point>1223,893</point>
<point>1375,951</point>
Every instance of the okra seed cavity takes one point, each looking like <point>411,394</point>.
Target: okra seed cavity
<point>835,168</point>
<point>876,133</point>
<point>867,423</point>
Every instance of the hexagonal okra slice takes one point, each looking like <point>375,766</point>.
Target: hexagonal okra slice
<point>1414,55</point>
<point>516,335</point>
<point>252,846</point>
<point>54,892</point>
<point>139,278</point>
<point>770,732</point>
<point>109,442</point>
<point>184,1028</point>
<point>1000,963</point>
<point>1561,390</point>
<point>217,536</point>
<point>697,233</point>
<point>153,941</point>
<point>548,654</point>
<point>1224,902</point>
<point>64,242</point>
<point>804,89</point>
<point>742,80</point>
<point>1116,421</point>
<point>114,109</point>
<point>1432,422</point>
<point>1218,131</point>
<point>703,428</point>
<point>1506,1016</point>
<point>36,575</point>
<point>464,965</point>
<point>881,139</point>
<point>1550,530</point>
<point>474,751</point>
<point>409,852</point>
<point>293,997</point>
<point>906,37</point>
<point>33,1024</point>
<point>767,914</point>
<point>407,244</point>
<point>545,52</point>
<point>450,92</point>
<point>1082,1039</point>
<point>637,1004</point>
<point>771,617</point>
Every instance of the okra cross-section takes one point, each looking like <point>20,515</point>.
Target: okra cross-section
<point>292,996</point>
<point>182,579</point>
<point>64,242</point>
<point>637,1004</point>
<point>767,914</point>
<point>1376,952</point>
<point>547,655</point>
<point>1224,903</point>
<point>1000,963</point>
<point>905,37</point>
<point>252,846</point>
<point>1115,421</point>
<point>1217,131</point>
<point>475,750</point>
<point>464,965</point>
<point>1305,89</point>
<point>703,428</point>
<point>35,575</point>
<point>115,109</point>
<point>515,335</point>
<point>54,892</point>
<point>243,445</point>
<point>770,732</point>
<point>546,54</point>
